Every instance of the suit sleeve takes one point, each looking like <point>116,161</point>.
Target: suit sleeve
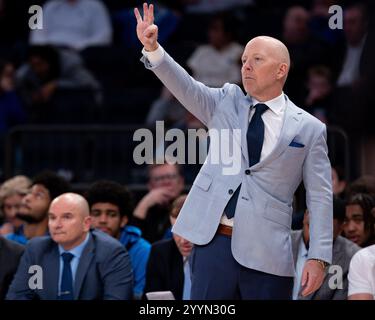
<point>197,98</point>
<point>117,275</point>
<point>19,288</point>
<point>318,185</point>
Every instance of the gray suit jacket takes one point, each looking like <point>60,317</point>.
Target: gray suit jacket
<point>103,272</point>
<point>343,251</point>
<point>261,233</point>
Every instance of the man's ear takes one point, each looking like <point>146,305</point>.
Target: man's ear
<point>283,70</point>
<point>87,223</point>
<point>124,221</point>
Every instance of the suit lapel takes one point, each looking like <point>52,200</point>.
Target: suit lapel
<point>51,276</point>
<point>290,128</point>
<point>83,265</point>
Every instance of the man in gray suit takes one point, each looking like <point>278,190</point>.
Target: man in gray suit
<point>240,223</point>
<point>343,251</point>
<point>75,262</point>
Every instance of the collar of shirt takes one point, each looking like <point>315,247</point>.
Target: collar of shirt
<point>76,251</point>
<point>277,104</point>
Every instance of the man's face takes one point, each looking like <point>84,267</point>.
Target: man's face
<point>35,204</point>
<point>106,216</point>
<point>259,69</point>
<point>183,245</point>
<point>319,85</point>
<point>11,206</point>
<point>166,176</point>
<point>354,25</point>
<point>67,224</point>
<point>354,225</point>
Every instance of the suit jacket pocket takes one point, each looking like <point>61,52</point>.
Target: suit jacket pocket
<point>203,181</point>
<point>278,212</point>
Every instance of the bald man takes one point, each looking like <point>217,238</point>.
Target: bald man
<point>240,221</point>
<point>74,262</point>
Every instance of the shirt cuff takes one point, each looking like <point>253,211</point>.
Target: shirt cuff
<point>154,57</point>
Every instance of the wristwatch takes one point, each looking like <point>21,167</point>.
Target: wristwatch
<point>323,263</point>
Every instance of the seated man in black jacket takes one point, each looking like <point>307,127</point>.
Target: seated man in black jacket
<point>168,266</point>
<point>10,254</point>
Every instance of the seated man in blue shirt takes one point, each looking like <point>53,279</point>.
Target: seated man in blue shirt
<point>74,263</point>
<point>111,207</point>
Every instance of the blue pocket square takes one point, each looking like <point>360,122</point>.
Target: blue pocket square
<point>296,144</point>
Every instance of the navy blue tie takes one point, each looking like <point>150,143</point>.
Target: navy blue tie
<point>255,138</point>
<point>66,288</point>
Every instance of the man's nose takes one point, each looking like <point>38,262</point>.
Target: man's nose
<point>247,66</point>
<point>26,198</point>
<point>351,226</point>
<point>103,219</point>
<point>56,224</point>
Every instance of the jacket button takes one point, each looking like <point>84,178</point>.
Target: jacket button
<point>247,171</point>
<point>230,191</point>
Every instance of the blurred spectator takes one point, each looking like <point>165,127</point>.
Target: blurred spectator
<point>364,184</point>
<point>76,24</point>
<point>219,61</point>
<point>339,183</point>
<point>166,108</point>
<point>343,250</point>
<point>362,275</point>
<point>166,19</point>
<point>359,224</point>
<point>48,70</point>
<point>151,214</point>
<point>319,85</point>
<point>168,268</point>
<point>319,22</point>
<point>209,6</point>
<point>34,207</point>
<point>355,29</point>
<point>11,110</point>
<point>78,263</point>
<point>305,50</point>
<point>110,210</point>
<point>12,192</point>
<point>10,255</point>
<point>349,103</point>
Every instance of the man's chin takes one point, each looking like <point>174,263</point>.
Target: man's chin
<point>28,218</point>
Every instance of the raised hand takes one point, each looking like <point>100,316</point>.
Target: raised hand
<point>147,31</point>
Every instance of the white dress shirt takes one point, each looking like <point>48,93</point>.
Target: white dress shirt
<point>272,118</point>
